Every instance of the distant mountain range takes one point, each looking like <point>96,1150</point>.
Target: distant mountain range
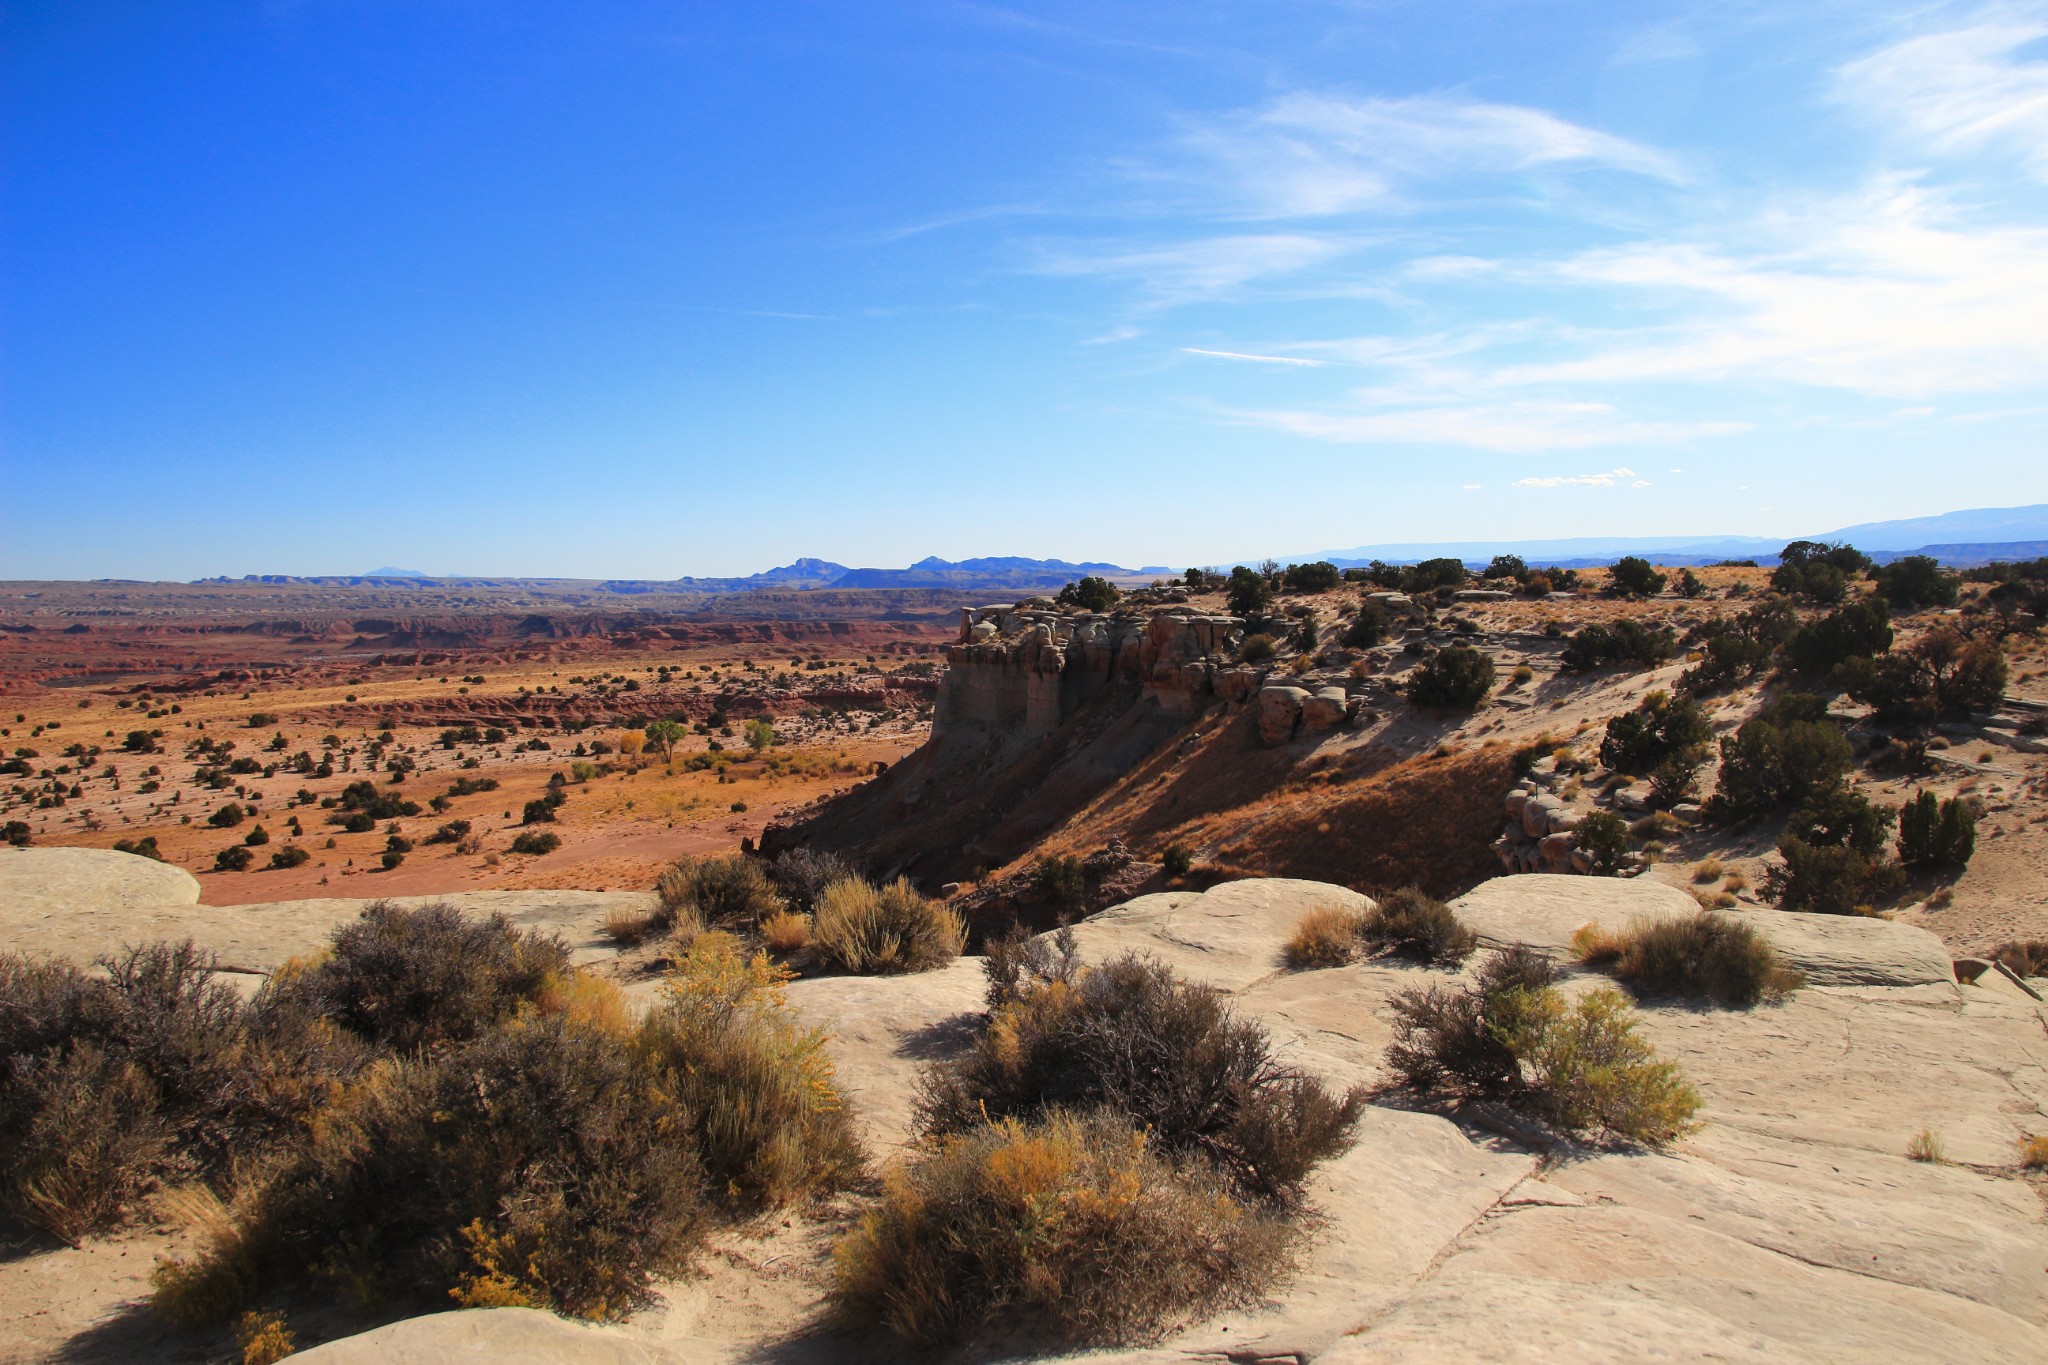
<point>1974,536</point>
<point>1969,537</point>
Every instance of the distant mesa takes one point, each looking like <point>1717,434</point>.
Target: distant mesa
<point>397,573</point>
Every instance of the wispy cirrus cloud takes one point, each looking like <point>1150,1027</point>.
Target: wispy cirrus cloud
<point>1964,90</point>
<point>1260,359</point>
<point>1186,272</point>
<point>1314,155</point>
<point>1510,427</point>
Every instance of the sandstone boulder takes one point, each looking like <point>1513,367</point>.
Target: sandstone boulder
<point>1325,710</point>
<point>1280,711</point>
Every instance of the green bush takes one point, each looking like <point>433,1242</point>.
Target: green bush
<point>1510,1035</point>
<point>426,978</point>
<point>869,930</point>
<point>1320,576</point>
<point>1250,595</point>
<point>1072,1227</point>
<point>1257,648</point>
<point>1663,729</point>
<point>1710,957</point>
<point>1596,646</point>
<point>1635,576</point>
<point>233,858</point>
<point>1779,757</point>
<point>1368,626</point>
<point>1419,926</point>
<point>1431,574</point>
<point>1177,860</point>
<point>1859,630</point>
<point>1937,833</point>
<point>800,874</point>
<point>1455,678</point>
<point>1833,851</point>
<point>537,841</point>
<point>228,816</point>
<point>1943,673</point>
<point>290,856</point>
<point>1060,882</point>
<point>1090,594</point>
<point>1916,582</point>
<point>1165,1055</point>
<point>1603,836</point>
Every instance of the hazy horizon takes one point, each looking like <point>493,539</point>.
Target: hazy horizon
<point>644,291</point>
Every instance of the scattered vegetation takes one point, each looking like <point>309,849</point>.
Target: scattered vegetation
<point>1165,1055</point>
<point>1327,936</point>
<point>1925,1145</point>
<point>1934,833</point>
<point>1509,1035</point>
<point>1416,925</point>
<point>1716,958</point>
<point>1617,642</point>
<point>1834,855</point>
<point>1782,756</point>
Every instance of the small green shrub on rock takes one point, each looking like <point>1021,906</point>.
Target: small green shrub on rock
<point>1706,957</point>
<point>1509,1035</point>
<point>1417,925</point>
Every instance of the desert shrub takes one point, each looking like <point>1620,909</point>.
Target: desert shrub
<point>1177,860</point>
<point>1455,678</point>
<point>540,1164</point>
<point>1368,626</point>
<point>290,856</point>
<point>1936,833</point>
<point>145,847</point>
<point>1257,648</point>
<point>537,812</point>
<point>1859,630</point>
<point>1663,729</point>
<point>426,978</point>
<point>1916,581</point>
<point>1596,646</point>
<point>1090,594</point>
<point>1319,576</point>
<point>227,817</point>
<point>1164,1054</point>
<point>766,1118</point>
<point>362,797</point>
<point>264,1338</point>
<point>2033,1154</point>
<point>1707,957</point>
<point>1249,594</point>
<point>786,932</point>
<point>1510,1035</point>
<point>1925,1145</point>
<point>1943,673</point>
<point>1419,926</point>
<point>2026,958</point>
<point>390,858</point>
<point>1635,576</point>
<point>1781,756</point>
<point>1431,574</point>
<point>1072,1226</point>
<point>1018,963</point>
<point>801,873</point>
<point>1603,836</point>
<point>82,1138</point>
<point>866,929</point>
<point>450,833</point>
<point>1327,936</point>
<point>728,891</point>
<point>536,842</point>
<point>1060,882</point>
<point>1833,851</point>
<point>233,858</point>
<point>1817,570</point>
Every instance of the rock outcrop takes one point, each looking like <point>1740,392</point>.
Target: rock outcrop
<point>1791,1227</point>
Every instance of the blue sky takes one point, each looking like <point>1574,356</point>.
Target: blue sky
<point>656,289</point>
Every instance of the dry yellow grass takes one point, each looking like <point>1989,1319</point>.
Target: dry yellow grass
<point>1926,1146</point>
<point>785,932</point>
<point>2034,1153</point>
<point>1326,936</point>
<point>1708,870</point>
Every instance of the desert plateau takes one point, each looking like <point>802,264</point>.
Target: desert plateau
<point>1341,683</point>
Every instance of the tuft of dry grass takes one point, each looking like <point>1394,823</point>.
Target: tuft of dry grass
<point>1735,881</point>
<point>1707,870</point>
<point>1071,1226</point>
<point>1419,926</point>
<point>1926,1146</point>
<point>1711,957</point>
<point>2034,1153</point>
<point>1326,936</point>
<point>865,929</point>
<point>628,928</point>
<point>264,1338</point>
<point>784,932</point>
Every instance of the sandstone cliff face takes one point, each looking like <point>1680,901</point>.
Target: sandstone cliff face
<point>1027,669</point>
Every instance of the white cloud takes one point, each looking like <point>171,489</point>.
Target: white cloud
<point>1313,155</point>
<point>1261,359</point>
<point>1204,269</point>
<point>1959,91</point>
<point>1471,487</point>
<point>1608,480</point>
<point>1515,427</point>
